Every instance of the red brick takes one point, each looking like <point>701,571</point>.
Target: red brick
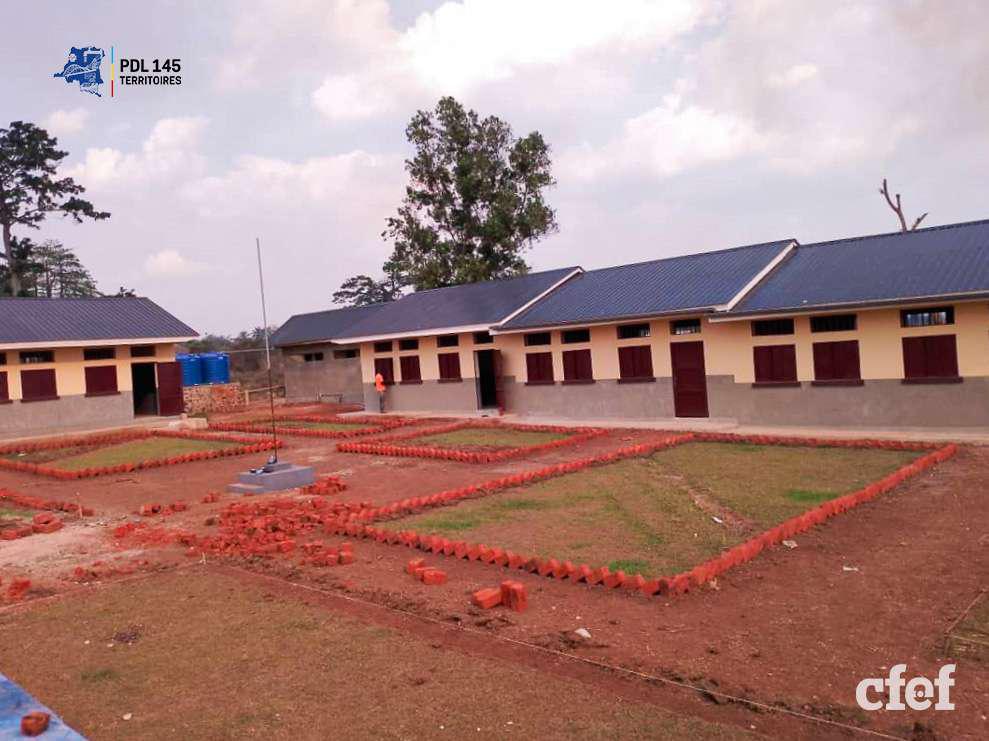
<point>487,598</point>
<point>548,567</point>
<point>634,583</point>
<point>614,580</point>
<point>346,557</point>
<point>34,723</point>
<point>414,564</point>
<point>583,573</point>
<point>433,577</point>
<point>518,600</point>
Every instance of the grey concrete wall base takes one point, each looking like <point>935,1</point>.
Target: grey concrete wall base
<point>326,377</point>
<point>602,399</point>
<point>428,396</point>
<point>68,413</point>
<point>284,476</point>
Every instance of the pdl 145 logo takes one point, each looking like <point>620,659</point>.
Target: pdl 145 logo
<point>84,68</point>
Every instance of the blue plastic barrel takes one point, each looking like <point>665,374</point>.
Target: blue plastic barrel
<point>216,367</point>
<point>192,369</point>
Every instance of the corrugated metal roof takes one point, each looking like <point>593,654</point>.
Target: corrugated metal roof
<point>935,262</point>
<point>666,286</point>
<point>320,326</point>
<point>24,320</point>
<point>456,306</point>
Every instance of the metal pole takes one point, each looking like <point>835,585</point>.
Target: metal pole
<point>267,354</point>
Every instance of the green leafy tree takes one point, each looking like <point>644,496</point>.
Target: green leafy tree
<point>30,189</point>
<point>53,271</point>
<point>474,204</point>
<point>18,261</point>
<point>362,290</point>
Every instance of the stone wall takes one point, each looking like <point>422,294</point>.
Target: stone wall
<point>67,413</point>
<point>220,397</point>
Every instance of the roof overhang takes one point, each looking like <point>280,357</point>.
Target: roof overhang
<point>840,307</point>
<point>427,331</point>
<point>608,320</point>
<point>96,343</point>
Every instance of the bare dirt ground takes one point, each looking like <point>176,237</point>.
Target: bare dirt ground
<point>793,629</point>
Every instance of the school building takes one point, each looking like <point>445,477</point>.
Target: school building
<point>74,363</point>
<point>889,330</point>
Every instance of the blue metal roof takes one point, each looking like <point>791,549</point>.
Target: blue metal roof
<point>26,320</point>
<point>320,326</point>
<point>472,304</point>
<point>937,262</point>
<point>702,281</point>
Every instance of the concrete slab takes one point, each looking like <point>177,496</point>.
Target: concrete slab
<point>282,476</point>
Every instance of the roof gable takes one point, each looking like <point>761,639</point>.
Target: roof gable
<point>936,262</point>
<point>320,326</point>
<point>37,320</point>
<point>701,281</point>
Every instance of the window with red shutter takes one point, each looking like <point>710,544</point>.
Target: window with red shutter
<point>775,364</point>
<point>933,358</point>
<point>4,389</point>
<point>577,366</point>
<point>635,363</point>
<point>410,369</point>
<point>101,380</point>
<point>386,368</point>
<point>539,368</point>
<point>449,366</point>
<point>837,362</point>
<point>38,385</point>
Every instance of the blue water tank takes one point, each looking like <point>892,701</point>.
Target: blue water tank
<point>216,367</point>
<point>192,369</point>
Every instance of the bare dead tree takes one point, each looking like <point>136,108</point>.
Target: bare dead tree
<point>898,209</point>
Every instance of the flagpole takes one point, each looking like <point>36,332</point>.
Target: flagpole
<point>267,354</point>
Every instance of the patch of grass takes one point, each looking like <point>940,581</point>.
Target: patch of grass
<point>326,426</point>
<point>483,437</point>
<point>629,566</point>
<point>136,451</point>
<point>13,513</point>
<point>970,639</point>
<point>44,456</point>
<point>777,482</point>
<point>809,497</point>
<point>212,636</point>
<point>99,675</point>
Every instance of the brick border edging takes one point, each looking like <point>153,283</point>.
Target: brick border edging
<point>352,526</point>
<point>377,426</point>
<point>576,436</point>
<point>247,446</point>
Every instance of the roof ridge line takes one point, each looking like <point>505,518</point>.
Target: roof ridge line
<point>939,227</point>
<point>723,250</point>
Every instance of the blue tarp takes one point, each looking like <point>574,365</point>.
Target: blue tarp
<point>15,703</point>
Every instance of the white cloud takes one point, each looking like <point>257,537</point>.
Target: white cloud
<point>666,141</point>
<point>461,44</point>
<point>351,97</point>
<point>172,148</point>
<point>793,76</point>
<point>171,263</point>
<point>63,123</point>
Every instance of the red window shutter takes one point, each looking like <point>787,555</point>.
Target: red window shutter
<point>386,368</point>
<point>914,357</point>
<point>942,356</point>
<point>837,361</point>
<point>824,361</point>
<point>775,363</point>
<point>410,368</point>
<point>763,359</point>
<point>450,366</point>
<point>577,365</point>
<point>539,367</point>
<point>101,380</point>
<point>635,362</point>
<point>4,390</point>
<point>37,385</point>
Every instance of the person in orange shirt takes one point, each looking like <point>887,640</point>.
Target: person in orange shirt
<point>379,386</point>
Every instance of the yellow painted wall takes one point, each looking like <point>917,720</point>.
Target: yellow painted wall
<point>70,374</point>
<point>727,347</point>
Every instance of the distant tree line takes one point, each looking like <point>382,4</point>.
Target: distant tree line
<point>247,358</point>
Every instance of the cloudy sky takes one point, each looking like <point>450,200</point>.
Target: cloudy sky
<point>676,126</point>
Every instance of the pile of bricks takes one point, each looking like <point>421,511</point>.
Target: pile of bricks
<point>16,590</point>
<point>150,510</point>
<point>321,554</point>
<point>325,486</point>
<point>100,570</point>
<point>51,505</point>
<point>428,575</point>
<point>42,523</point>
<point>511,594</point>
<point>220,397</point>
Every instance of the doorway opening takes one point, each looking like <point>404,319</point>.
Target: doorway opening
<point>487,379</point>
<point>689,379</point>
<point>145,388</point>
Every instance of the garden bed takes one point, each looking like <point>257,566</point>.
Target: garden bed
<point>74,457</point>
<point>321,426</point>
<point>474,441</point>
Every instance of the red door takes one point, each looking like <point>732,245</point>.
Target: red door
<point>689,379</point>
<point>170,401</point>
